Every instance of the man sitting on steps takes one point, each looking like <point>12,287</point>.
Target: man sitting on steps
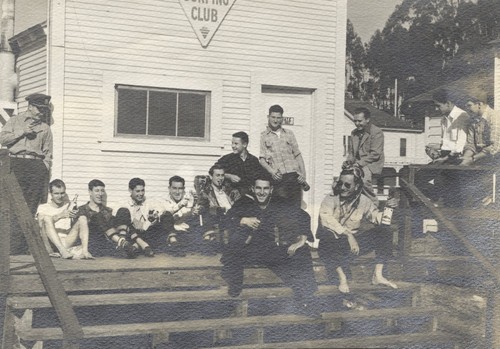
<point>61,226</point>
<point>340,217</point>
<point>269,232</point>
<point>103,227</point>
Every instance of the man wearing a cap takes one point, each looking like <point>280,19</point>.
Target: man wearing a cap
<point>29,140</point>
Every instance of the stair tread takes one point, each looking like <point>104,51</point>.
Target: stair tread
<point>357,342</point>
<point>33,302</point>
<point>223,323</point>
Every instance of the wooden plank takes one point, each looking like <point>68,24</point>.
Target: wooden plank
<point>387,341</point>
<point>48,275</point>
<point>4,223</point>
<point>38,302</point>
<point>224,323</point>
<point>457,233</point>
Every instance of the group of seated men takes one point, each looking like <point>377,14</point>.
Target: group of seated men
<point>245,210</point>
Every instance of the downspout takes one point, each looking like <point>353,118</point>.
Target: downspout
<point>8,76</point>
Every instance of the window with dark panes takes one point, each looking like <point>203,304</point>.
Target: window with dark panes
<point>402,147</point>
<point>162,112</point>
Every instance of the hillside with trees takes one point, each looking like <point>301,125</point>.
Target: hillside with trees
<point>424,44</point>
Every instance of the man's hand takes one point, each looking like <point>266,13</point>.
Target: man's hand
<point>353,244</point>
<point>301,179</point>
<point>277,176</point>
<point>233,178</point>
<point>294,247</point>
<point>439,161</point>
<point>28,129</point>
<point>251,222</point>
<point>196,209</point>
<point>392,203</point>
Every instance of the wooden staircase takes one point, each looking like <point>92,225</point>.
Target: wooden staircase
<point>173,309</point>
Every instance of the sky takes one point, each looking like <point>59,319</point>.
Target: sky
<point>369,15</point>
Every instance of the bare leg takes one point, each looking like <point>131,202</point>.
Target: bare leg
<point>50,231</point>
<point>45,238</point>
<point>343,286</point>
<point>79,230</point>
<point>379,279</point>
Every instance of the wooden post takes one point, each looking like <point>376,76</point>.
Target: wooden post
<point>57,295</point>
<point>4,246</point>
<point>4,223</point>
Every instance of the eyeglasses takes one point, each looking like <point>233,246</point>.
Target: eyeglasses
<point>345,185</point>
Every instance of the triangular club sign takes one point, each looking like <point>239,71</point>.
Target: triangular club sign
<point>206,16</point>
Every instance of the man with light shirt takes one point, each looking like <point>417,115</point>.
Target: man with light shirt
<point>281,158</point>
<point>61,226</point>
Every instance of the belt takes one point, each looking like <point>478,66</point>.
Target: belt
<point>27,156</point>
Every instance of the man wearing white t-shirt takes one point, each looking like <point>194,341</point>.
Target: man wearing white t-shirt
<point>60,226</point>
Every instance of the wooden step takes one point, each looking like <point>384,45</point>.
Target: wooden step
<point>38,302</point>
<point>132,329</point>
<point>433,339</point>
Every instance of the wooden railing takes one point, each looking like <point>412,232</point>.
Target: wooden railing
<point>411,193</point>
<point>13,206</point>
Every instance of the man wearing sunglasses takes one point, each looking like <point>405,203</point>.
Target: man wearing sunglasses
<point>340,234</point>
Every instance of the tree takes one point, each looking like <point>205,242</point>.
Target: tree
<point>355,57</point>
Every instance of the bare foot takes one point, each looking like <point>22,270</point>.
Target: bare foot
<point>343,287</point>
<point>66,255</point>
<point>383,281</point>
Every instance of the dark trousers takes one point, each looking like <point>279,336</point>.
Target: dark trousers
<point>296,271</point>
<point>289,189</point>
<point>102,227</point>
<point>156,235</point>
<point>336,253</point>
<point>33,178</point>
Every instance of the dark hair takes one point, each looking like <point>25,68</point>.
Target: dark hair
<point>441,96</point>
<point>262,176</point>
<point>276,109</point>
<point>96,183</point>
<point>56,183</point>
<point>176,179</point>
<point>216,167</point>
<point>134,182</point>
<point>366,113</point>
<point>241,135</point>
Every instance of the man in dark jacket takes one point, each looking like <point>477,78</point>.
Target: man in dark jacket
<point>268,232</point>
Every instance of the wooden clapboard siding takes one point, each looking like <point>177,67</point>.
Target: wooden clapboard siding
<point>32,68</point>
<point>155,38</point>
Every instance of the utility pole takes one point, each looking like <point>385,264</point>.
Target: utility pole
<point>8,76</point>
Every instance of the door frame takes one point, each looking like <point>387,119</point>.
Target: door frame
<point>317,83</point>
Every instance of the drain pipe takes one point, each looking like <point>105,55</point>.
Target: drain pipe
<point>8,76</point>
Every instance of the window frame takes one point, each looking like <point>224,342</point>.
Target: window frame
<point>109,142</point>
<point>148,89</point>
<point>403,151</point>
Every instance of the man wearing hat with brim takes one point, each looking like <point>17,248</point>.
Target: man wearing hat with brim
<point>29,140</point>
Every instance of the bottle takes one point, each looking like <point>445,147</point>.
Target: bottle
<point>305,186</point>
<point>387,214</point>
<point>73,205</point>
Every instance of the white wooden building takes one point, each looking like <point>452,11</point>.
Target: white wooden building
<point>136,93</point>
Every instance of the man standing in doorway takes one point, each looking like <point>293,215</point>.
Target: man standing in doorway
<point>367,148</point>
<point>29,140</point>
<point>281,157</point>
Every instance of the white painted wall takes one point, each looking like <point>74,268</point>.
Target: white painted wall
<point>98,44</point>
